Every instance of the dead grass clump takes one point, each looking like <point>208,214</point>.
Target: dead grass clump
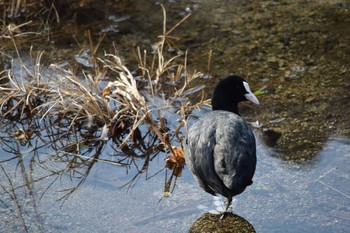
<point>109,106</point>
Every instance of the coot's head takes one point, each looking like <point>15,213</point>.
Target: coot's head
<point>229,92</point>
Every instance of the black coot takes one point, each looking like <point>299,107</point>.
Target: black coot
<point>220,148</point>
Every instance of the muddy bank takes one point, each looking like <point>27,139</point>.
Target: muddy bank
<point>297,51</point>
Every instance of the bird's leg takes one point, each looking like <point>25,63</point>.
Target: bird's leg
<point>228,202</point>
<point>222,216</point>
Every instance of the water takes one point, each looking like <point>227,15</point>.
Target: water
<point>297,51</point>
<point>285,197</point>
<point>311,197</point>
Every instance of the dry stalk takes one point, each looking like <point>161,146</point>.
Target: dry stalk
<point>55,94</point>
<point>160,67</point>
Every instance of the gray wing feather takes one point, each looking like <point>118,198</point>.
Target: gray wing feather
<point>235,154</point>
<point>199,155</point>
<point>220,152</point>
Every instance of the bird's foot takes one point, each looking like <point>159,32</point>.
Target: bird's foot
<point>223,215</point>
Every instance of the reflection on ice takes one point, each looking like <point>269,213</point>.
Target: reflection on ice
<point>300,197</point>
<point>310,197</point>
